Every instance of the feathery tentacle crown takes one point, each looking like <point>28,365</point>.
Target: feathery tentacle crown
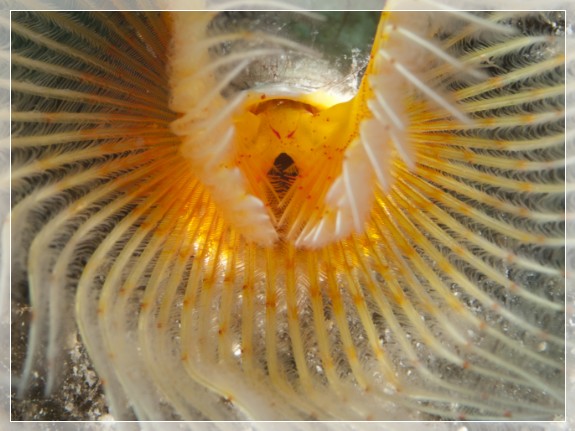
<point>243,246</point>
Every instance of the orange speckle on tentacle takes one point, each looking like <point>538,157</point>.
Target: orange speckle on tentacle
<point>399,298</point>
<point>523,212</point>
<point>526,187</point>
<point>495,82</point>
<point>528,119</point>
<point>187,303</point>
<point>446,266</point>
<point>459,250</point>
<point>455,304</point>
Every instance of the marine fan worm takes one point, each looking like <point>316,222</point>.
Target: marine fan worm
<point>237,235</point>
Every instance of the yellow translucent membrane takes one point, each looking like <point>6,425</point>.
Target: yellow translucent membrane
<point>156,203</point>
<point>314,140</point>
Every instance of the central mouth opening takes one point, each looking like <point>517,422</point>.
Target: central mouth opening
<point>282,176</point>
